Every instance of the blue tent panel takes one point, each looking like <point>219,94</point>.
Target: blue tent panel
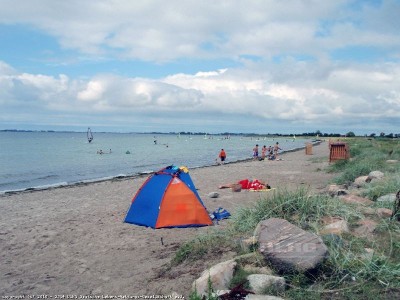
<point>145,207</point>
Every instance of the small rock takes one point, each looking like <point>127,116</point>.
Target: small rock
<point>387,198</point>
<point>336,190</point>
<point>220,275</point>
<point>338,228</point>
<point>218,293</point>
<point>375,175</point>
<point>326,220</point>
<point>384,212</point>
<point>366,227</point>
<point>360,181</point>
<point>259,282</point>
<point>213,195</point>
<point>392,161</point>
<point>353,199</point>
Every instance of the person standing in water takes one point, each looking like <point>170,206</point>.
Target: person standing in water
<point>222,156</point>
<point>263,152</point>
<point>255,152</point>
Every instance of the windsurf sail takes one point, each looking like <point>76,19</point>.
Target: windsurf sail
<point>89,135</point>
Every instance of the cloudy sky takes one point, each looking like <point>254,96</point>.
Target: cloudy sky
<point>263,66</point>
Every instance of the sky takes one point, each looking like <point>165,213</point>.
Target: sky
<point>244,66</point>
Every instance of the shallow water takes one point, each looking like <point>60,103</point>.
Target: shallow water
<point>44,159</point>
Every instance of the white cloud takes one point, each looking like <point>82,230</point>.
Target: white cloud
<point>276,87</point>
<point>94,91</point>
<point>346,94</point>
<point>160,31</point>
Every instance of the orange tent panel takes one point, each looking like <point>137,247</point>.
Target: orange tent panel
<point>181,207</point>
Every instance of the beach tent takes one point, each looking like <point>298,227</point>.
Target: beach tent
<point>168,198</point>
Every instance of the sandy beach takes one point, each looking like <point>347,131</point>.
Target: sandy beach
<point>73,241</point>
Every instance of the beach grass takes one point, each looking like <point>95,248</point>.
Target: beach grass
<point>366,156</point>
<point>299,207</point>
<point>350,271</point>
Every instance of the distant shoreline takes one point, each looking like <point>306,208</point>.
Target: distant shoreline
<point>247,134</point>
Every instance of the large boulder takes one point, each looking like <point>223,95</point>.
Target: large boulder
<point>289,248</point>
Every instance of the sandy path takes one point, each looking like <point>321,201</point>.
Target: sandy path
<point>72,241</point>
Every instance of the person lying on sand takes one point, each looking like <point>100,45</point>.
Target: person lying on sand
<point>248,184</point>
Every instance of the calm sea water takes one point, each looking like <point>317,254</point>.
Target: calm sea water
<point>45,159</point>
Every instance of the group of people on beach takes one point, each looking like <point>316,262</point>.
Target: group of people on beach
<point>270,153</point>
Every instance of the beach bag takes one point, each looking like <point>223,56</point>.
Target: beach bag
<point>221,213</point>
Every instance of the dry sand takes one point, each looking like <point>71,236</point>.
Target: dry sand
<point>73,241</point>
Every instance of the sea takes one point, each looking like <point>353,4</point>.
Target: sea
<point>43,160</point>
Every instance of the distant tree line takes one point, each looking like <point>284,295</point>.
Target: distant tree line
<point>314,134</point>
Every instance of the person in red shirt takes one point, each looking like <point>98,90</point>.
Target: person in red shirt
<point>222,156</point>
<point>248,184</point>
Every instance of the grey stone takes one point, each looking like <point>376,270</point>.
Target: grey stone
<point>375,174</point>
<point>392,161</point>
<point>288,247</point>
<point>387,198</point>
<point>213,195</point>
<point>353,199</point>
<point>259,282</point>
<point>338,227</point>
<point>361,181</point>
<point>220,276</point>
